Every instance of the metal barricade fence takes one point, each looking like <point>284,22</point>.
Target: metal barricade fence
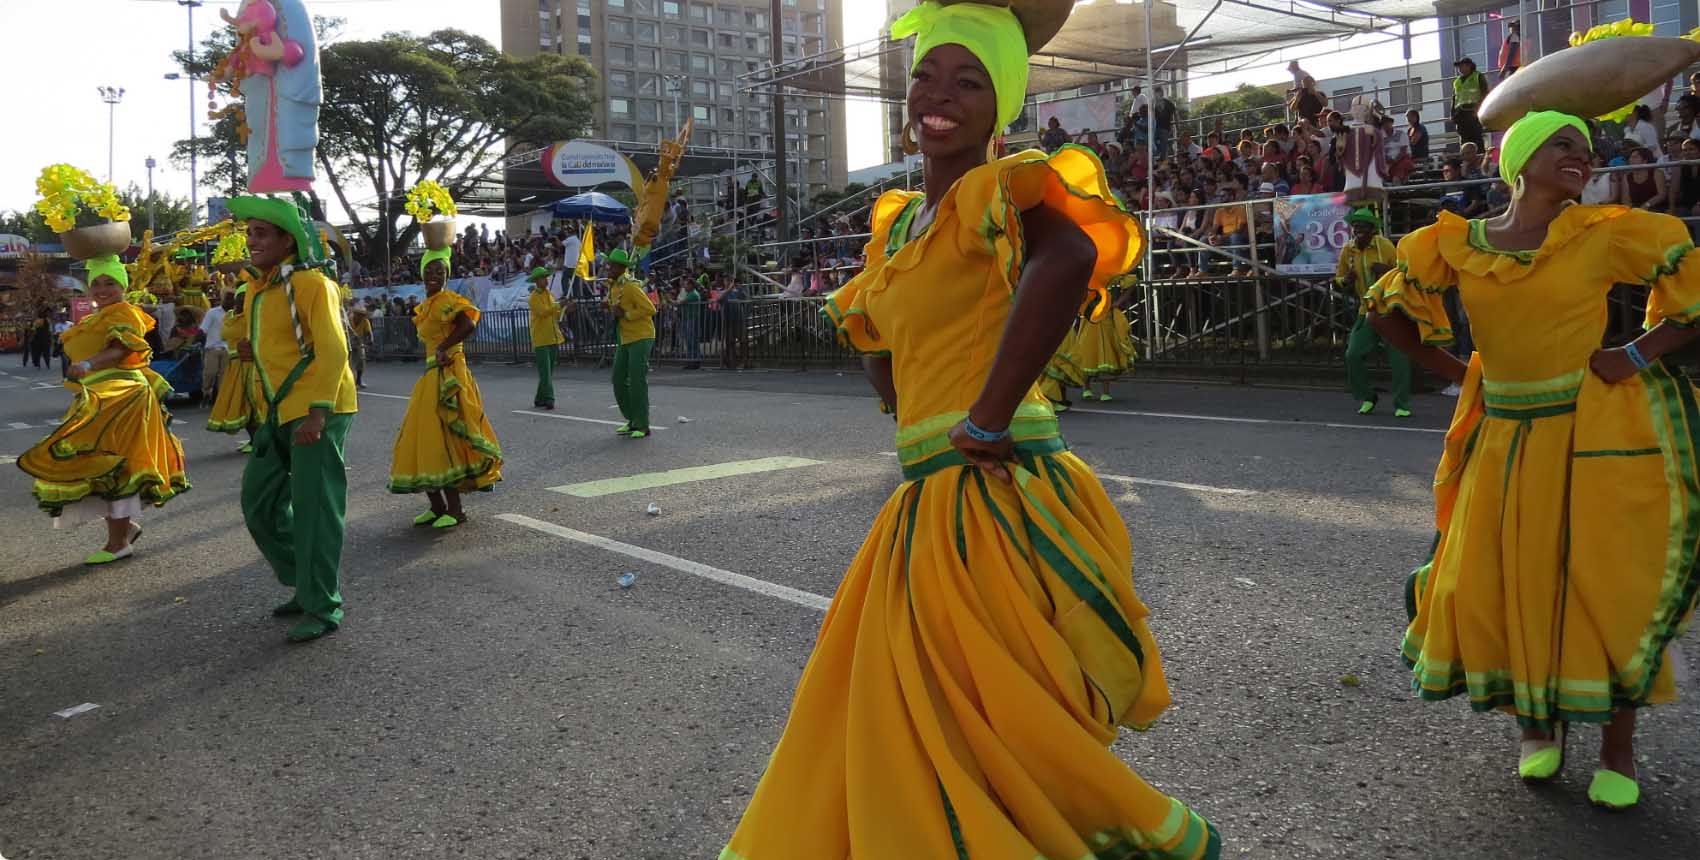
<point>777,333</point>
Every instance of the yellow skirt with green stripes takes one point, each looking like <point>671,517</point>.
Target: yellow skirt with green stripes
<point>969,679</point>
<point>114,442</point>
<point>445,441</point>
<point>1568,513</point>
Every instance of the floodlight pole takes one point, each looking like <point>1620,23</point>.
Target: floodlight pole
<point>1150,177</point>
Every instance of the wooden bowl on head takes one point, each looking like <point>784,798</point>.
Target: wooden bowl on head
<point>1041,20</point>
<point>85,243</point>
<point>1588,80</point>
<point>439,232</point>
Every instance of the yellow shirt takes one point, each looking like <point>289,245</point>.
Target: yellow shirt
<point>639,321</point>
<point>122,322</point>
<point>545,320</point>
<point>434,319</point>
<point>1360,260</point>
<point>280,337</point>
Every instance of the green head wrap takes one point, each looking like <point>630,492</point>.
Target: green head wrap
<point>537,273</point>
<point>437,254</point>
<point>107,264</point>
<point>1365,216</point>
<point>284,215</point>
<point>1527,134</point>
<point>991,33</point>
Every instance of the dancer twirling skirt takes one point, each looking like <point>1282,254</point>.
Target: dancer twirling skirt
<point>1103,343</point>
<point>986,642</point>
<point>113,451</point>
<point>233,410</point>
<point>1568,493</point>
<point>446,445</point>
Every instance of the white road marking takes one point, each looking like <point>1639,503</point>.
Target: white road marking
<point>385,396</point>
<point>1229,420</point>
<point>20,425</point>
<point>713,574</point>
<point>7,461</point>
<point>559,417</point>
<point>75,710</point>
<point>1226,491</point>
<point>671,477</point>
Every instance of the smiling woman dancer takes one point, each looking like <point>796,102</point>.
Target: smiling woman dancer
<point>986,641</point>
<point>446,446</point>
<point>1568,494</point>
<point>113,451</point>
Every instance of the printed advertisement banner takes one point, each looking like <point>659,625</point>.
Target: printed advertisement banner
<point>1310,230</point>
<point>579,164</point>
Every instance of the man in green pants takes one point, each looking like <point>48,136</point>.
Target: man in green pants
<point>1362,262</point>
<point>636,314</point>
<point>295,487</point>
<point>546,336</point>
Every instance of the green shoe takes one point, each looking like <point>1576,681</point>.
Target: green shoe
<point>1105,398</point>
<point>623,429</point>
<point>638,434</point>
<point>1613,790</point>
<point>426,518</point>
<point>287,610</point>
<point>310,628</point>
<point>1542,760</point>
<point>1367,408</point>
<point>1401,413</point>
<point>445,522</point>
<point>1087,395</point>
<point>245,448</point>
<point>101,557</point>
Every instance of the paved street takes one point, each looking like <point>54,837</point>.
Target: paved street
<point>494,693</point>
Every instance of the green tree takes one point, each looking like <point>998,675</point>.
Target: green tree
<point>1245,107</point>
<point>29,224</point>
<point>170,214</point>
<point>402,108</point>
<point>829,197</point>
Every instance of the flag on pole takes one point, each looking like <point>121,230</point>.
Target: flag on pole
<point>587,252</point>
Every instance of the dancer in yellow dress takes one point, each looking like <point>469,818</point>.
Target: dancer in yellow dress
<point>446,446</point>
<point>113,451</point>
<point>986,642</point>
<point>1568,492</point>
<point>233,410</point>
<point>1103,347</point>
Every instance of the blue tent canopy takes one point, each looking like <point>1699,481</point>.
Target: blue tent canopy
<point>593,205</point>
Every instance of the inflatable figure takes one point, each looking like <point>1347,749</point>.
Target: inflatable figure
<point>277,62</point>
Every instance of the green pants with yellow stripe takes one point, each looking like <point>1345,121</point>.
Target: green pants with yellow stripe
<point>294,499</point>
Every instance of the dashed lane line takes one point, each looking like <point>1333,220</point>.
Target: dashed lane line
<point>559,417</point>
<point>1178,485</point>
<point>671,477</point>
<point>384,396</point>
<point>682,565</point>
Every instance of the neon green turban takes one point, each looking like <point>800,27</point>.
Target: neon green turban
<point>990,33</point>
<point>1527,134</point>
<point>107,264</point>
<point>437,254</point>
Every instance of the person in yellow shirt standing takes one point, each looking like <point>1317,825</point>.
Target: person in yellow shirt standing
<point>636,314</point>
<point>546,336</point>
<point>295,487</point>
<point>1362,262</point>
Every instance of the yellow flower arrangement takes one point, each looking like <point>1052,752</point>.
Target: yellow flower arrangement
<point>233,247</point>
<point>70,196</point>
<point>1614,30</point>
<point>428,200</point>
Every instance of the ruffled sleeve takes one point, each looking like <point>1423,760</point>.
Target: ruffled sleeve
<point>1071,181</point>
<point>846,308</point>
<point>453,304</point>
<point>1657,250</point>
<point>1416,288</point>
<point>129,325</point>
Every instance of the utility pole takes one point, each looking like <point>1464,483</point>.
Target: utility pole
<point>112,96</point>
<point>781,193</point>
<point>194,173</point>
<point>151,165</point>
<point>676,83</point>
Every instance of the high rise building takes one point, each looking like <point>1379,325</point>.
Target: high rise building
<point>663,60</point>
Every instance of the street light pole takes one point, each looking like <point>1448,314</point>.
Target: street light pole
<point>194,175</point>
<point>151,164</point>
<point>676,83</point>
<point>112,96</point>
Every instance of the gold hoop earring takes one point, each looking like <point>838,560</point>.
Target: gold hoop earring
<point>910,145</point>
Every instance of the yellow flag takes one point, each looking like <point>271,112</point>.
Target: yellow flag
<point>587,252</point>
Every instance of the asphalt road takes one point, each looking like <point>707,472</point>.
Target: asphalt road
<point>494,693</point>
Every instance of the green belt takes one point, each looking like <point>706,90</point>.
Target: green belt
<point>1540,398</point>
<point>1025,450</point>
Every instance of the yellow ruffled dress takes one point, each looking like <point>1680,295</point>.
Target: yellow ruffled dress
<point>1103,348</point>
<point>446,442</point>
<point>115,441</point>
<point>233,409</point>
<point>986,642</point>
<point>1568,509</point>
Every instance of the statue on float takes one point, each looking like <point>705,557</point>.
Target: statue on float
<point>275,68</point>
<point>1364,157</point>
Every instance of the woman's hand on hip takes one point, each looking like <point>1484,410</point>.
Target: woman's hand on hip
<point>1612,365</point>
<point>988,457</point>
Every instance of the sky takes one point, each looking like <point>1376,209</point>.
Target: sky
<point>58,52</point>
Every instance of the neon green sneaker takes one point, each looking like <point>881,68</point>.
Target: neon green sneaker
<point>638,434</point>
<point>1367,408</point>
<point>1401,413</point>
<point>623,429</point>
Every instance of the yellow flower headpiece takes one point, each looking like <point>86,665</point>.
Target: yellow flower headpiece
<point>67,192</point>
<point>428,200</point>
<point>1614,30</point>
<point>233,247</point>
